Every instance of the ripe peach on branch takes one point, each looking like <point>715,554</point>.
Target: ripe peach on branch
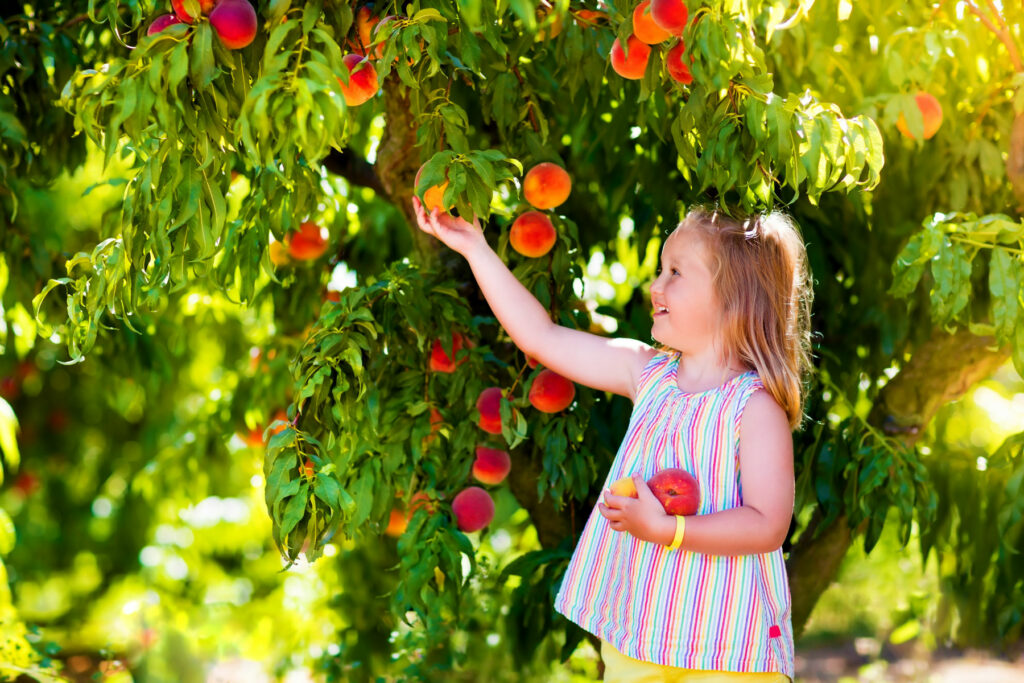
<point>630,63</point>
<point>546,185</point>
<point>234,22</point>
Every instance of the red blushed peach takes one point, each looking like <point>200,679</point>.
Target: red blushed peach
<point>530,360</point>
<point>532,234</point>
<point>931,112</point>
<point>633,65</point>
<point>179,8</point>
<point>671,15</point>
<point>309,243</point>
<point>281,417</point>
<point>439,360</point>
<point>420,499</point>
<point>308,469</point>
<point>677,63</point>
<point>546,185</point>
<point>473,509</point>
<point>434,196</point>
<point>644,27</point>
<point>488,404</point>
<point>235,23</point>
<point>550,392</point>
<point>362,82</point>
<point>162,22</point>
<point>491,465</point>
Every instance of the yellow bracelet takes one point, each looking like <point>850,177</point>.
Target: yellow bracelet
<point>680,529</point>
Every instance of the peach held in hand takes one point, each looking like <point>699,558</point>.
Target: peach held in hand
<point>550,392</point>
<point>677,490</point>
<point>491,465</point>
<point>434,196</point>
<point>624,487</point>
<point>473,509</point>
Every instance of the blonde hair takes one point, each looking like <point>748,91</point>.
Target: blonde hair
<point>762,282</point>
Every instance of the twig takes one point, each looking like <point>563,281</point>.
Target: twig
<point>529,101</point>
<point>1003,34</point>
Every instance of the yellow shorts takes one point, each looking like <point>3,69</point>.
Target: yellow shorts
<point>619,668</point>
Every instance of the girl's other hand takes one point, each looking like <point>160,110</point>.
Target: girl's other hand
<point>644,516</point>
<point>456,233</point>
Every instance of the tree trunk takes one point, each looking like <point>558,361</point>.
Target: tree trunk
<point>941,370</point>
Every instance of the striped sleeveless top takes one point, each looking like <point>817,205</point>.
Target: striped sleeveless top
<point>677,607</point>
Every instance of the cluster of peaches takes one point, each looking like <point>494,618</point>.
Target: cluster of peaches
<point>234,21</point>
<point>363,84</point>
<point>545,186</point>
<point>473,506</point>
<point>654,22</point>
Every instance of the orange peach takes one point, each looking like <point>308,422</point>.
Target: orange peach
<point>633,65</point>
<point>488,405</point>
<point>671,15</point>
<point>931,113</point>
<point>365,26</point>
<point>676,64</point>
<point>550,392</point>
<point>532,234</point>
<point>644,27</point>
<point>434,196</point>
<point>473,508</point>
<point>362,81</point>
<point>491,465</point>
<point>308,470</point>
<point>279,254</point>
<point>546,185</point>
<point>397,522</point>
<point>439,359</point>
<point>309,243</point>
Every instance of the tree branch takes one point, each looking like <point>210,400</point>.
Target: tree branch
<point>1002,33</point>
<point>941,370</point>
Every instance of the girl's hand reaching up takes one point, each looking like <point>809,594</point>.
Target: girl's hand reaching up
<point>644,516</point>
<point>458,234</point>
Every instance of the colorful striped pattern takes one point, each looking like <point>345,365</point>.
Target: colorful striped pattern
<point>681,608</point>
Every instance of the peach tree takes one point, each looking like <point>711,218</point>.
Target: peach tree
<point>246,274</point>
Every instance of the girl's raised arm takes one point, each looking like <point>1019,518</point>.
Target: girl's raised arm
<point>601,363</point>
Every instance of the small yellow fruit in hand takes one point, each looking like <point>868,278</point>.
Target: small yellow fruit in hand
<point>624,487</point>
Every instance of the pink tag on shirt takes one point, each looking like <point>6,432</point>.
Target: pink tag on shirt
<point>774,631</point>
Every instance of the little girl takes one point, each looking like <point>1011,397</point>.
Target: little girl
<point>704,597</point>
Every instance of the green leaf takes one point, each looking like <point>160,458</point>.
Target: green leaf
<point>1006,285</point>
<point>8,437</point>
<point>294,510</point>
<point>202,68</point>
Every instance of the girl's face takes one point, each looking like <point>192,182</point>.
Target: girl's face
<point>685,308</point>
